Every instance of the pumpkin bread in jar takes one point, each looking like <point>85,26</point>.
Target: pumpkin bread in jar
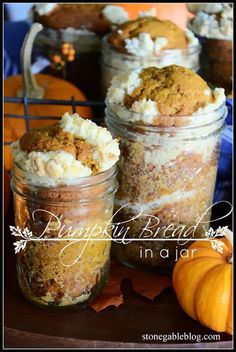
<point>63,185</point>
<point>213,24</point>
<point>83,26</point>
<point>148,41</point>
<point>170,123</point>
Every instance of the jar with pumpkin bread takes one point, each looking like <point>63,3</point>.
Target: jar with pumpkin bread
<point>169,123</point>
<point>213,24</point>
<point>63,181</point>
<point>83,26</point>
<point>147,41</point>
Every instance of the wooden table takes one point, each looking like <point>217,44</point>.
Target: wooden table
<point>27,325</point>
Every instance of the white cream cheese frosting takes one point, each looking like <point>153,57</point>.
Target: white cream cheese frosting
<point>152,12</point>
<point>55,167</point>
<point>192,40</point>
<point>115,14</point>
<point>207,25</point>
<point>56,164</point>
<point>144,45</point>
<point>207,7</point>
<point>106,149</point>
<point>45,8</point>
<point>78,32</point>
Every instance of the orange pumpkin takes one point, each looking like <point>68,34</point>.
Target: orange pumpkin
<point>56,88</point>
<point>203,284</point>
<point>178,13</point>
<point>48,87</point>
<point>7,192</point>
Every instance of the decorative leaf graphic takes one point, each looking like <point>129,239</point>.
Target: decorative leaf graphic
<point>210,233</point>
<point>220,231</point>
<point>16,231</point>
<point>27,234</point>
<point>19,245</point>
<point>217,246</point>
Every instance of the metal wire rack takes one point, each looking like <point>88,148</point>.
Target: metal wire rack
<point>26,102</point>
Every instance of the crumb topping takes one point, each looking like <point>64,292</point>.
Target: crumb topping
<point>73,148</point>
<point>176,90</point>
<point>53,138</point>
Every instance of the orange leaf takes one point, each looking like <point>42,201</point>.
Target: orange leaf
<point>110,296</point>
<point>150,286</point>
<point>145,284</point>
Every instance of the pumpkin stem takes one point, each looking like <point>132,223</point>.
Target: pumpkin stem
<point>30,89</point>
<point>229,235</point>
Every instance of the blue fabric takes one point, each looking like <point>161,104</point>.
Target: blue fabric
<point>14,34</point>
<point>223,190</point>
<point>10,68</point>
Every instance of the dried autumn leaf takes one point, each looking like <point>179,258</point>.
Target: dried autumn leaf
<point>110,296</point>
<point>146,284</point>
<point>150,286</point>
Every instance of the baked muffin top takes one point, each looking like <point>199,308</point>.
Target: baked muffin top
<point>94,17</point>
<point>154,92</point>
<point>74,147</point>
<point>176,90</point>
<point>53,138</point>
<point>175,37</point>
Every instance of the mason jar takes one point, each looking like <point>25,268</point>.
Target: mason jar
<point>166,179</point>
<point>115,61</point>
<point>67,233</point>
<point>216,62</point>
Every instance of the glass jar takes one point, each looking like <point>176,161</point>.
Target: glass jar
<point>66,258</point>
<point>216,62</point>
<point>115,62</point>
<point>166,179</point>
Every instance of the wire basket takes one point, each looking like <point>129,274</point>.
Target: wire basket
<point>27,117</point>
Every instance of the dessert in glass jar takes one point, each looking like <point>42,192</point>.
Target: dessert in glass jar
<point>169,123</point>
<point>63,181</point>
<point>83,25</point>
<point>213,24</point>
<point>147,41</point>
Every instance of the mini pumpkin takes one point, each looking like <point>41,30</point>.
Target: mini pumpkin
<point>35,86</point>
<point>203,283</point>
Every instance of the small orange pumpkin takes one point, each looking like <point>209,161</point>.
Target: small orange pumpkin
<point>203,284</point>
<point>46,86</point>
